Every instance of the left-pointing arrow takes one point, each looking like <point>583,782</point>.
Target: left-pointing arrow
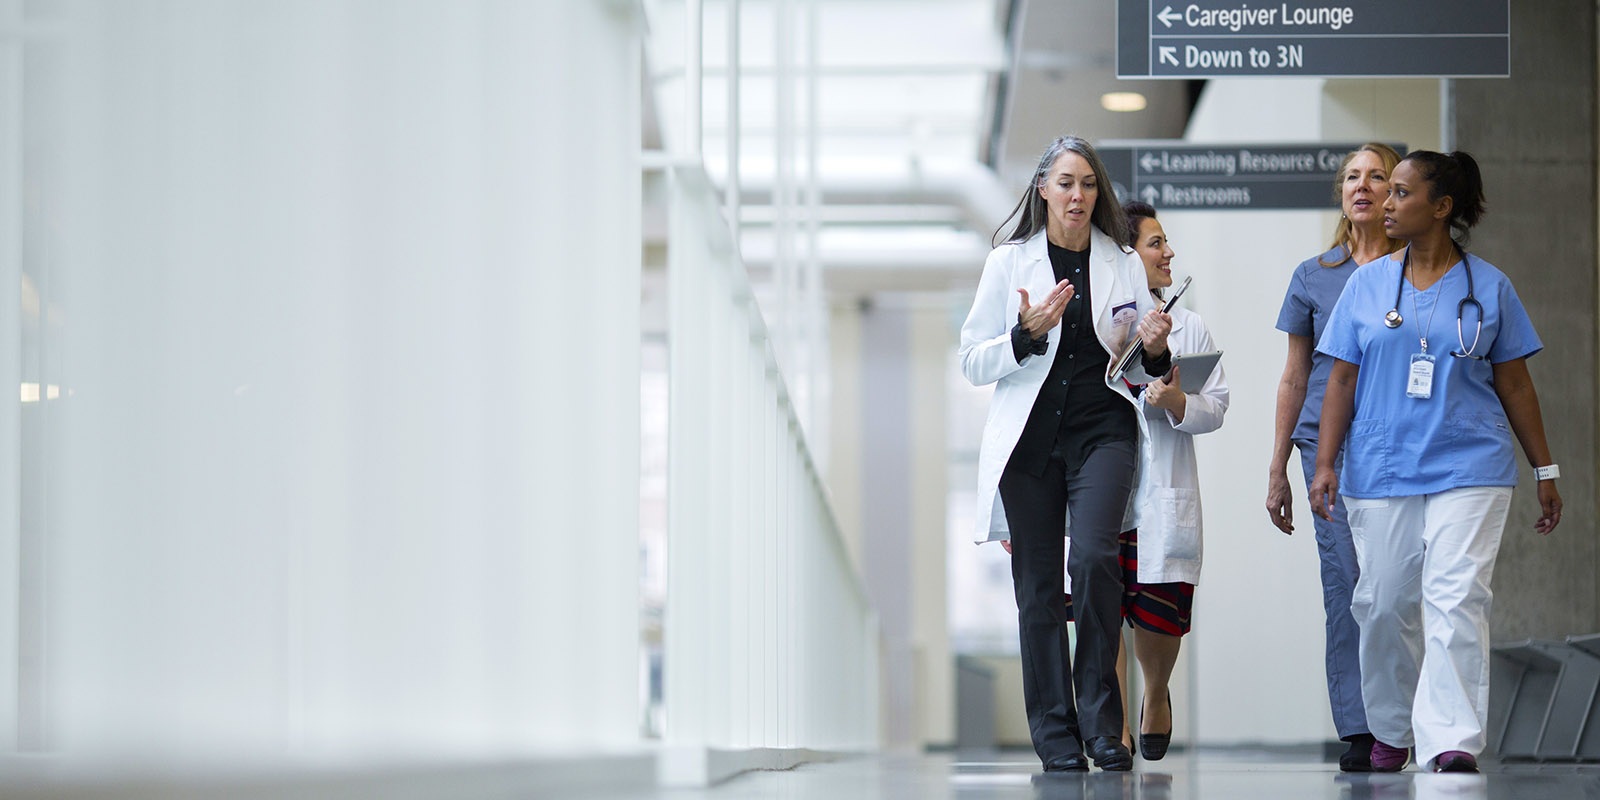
<point>1167,15</point>
<point>1169,55</point>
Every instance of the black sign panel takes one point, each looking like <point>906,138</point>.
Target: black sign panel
<point>1349,39</point>
<point>1227,177</point>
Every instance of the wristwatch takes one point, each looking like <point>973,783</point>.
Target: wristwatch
<point>1549,473</point>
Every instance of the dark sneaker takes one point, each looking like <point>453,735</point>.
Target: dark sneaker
<point>1455,761</point>
<point>1389,759</point>
<point>1359,757</point>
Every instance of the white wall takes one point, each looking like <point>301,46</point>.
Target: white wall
<point>888,479</point>
<point>11,319</point>
<point>342,298</point>
<point>1256,654</point>
<point>930,617</point>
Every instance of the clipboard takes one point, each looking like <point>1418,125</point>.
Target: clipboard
<point>1136,347</point>
<point>1197,369</point>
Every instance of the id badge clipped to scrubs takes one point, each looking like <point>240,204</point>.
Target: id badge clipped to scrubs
<point>1420,384</point>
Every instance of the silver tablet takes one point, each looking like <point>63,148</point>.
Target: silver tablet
<point>1196,370</point>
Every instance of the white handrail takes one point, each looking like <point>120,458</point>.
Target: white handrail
<point>771,641</point>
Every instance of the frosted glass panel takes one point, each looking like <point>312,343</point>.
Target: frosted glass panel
<point>335,444</point>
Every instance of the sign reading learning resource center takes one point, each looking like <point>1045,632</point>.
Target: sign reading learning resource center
<point>1307,38</point>
<point>1176,175</point>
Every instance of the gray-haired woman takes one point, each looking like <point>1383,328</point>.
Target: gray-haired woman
<point>1056,305</point>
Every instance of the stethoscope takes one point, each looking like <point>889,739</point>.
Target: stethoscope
<point>1393,318</point>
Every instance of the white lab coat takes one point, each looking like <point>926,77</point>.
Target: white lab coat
<point>1117,279</point>
<point>1169,495</point>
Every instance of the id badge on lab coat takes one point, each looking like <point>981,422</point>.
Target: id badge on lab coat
<point>1420,384</point>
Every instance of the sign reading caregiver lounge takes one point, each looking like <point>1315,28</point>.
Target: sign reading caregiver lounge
<point>1178,175</point>
<point>1358,38</point>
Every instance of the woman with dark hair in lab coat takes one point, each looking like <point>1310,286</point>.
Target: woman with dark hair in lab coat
<point>1161,558</point>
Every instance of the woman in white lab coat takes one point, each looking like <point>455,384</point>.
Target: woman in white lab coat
<point>1161,559</point>
<point>1056,305</point>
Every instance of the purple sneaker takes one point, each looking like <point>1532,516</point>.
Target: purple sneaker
<point>1390,759</point>
<point>1455,761</point>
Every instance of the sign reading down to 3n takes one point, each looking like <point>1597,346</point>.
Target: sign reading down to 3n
<point>1305,38</point>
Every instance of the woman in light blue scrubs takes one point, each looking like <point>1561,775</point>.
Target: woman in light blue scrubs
<point>1430,381</point>
<point>1361,184</point>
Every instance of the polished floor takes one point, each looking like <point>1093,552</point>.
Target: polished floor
<point>1221,774</point>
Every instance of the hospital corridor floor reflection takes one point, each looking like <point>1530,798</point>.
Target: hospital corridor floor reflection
<point>1235,773</point>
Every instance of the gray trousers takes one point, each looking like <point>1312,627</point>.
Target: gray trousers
<point>1337,552</point>
<point>1036,508</point>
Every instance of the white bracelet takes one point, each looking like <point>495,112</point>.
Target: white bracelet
<point>1547,473</point>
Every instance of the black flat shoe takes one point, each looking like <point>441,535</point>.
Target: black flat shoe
<point>1109,754</point>
<point>1155,745</point>
<point>1069,763</point>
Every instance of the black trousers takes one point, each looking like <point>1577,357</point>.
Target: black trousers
<point>1036,509</point>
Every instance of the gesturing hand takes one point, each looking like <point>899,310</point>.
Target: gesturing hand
<point>1039,319</point>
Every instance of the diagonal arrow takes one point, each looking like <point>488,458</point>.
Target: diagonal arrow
<point>1169,55</point>
<point>1167,16</point>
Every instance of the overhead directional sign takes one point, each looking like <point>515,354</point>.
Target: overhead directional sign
<point>1307,38</point>
<point>1179,175</point>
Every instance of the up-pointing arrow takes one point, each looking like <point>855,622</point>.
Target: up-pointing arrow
<point>1150,194</point>
<point>1149,162</point>
<point>1167,15</point>
<point>1169,55</point>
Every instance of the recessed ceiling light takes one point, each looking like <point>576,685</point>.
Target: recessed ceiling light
<point>1122,101</point>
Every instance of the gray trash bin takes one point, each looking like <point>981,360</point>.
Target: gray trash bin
<point>1589,739</point>
<point>1526,681</point>
<point>974,704</point>
<point>1546,699</point>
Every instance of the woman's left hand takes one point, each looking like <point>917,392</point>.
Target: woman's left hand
<point>1164,393</point>
<point>1153,329</point>
<point>1550,505</point>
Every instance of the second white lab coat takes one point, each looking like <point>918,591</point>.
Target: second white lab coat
<point>1169,496</point>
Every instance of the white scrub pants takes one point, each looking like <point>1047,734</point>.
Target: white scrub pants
<point>1422,602</point>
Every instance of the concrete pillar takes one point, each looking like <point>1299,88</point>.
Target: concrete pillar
<point>1534,137</point>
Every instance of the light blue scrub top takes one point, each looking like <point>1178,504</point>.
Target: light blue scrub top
<point>1401,446</point>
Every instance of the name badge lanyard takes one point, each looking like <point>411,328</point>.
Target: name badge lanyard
<point>1420,382</point>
